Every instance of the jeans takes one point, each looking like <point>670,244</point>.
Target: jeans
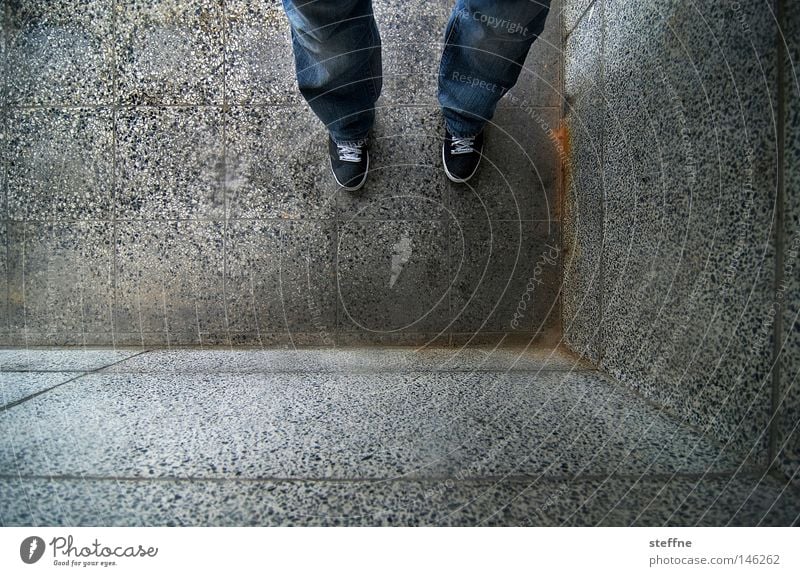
<point>337,52</point>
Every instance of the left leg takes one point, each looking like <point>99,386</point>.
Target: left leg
<point>486,43</point>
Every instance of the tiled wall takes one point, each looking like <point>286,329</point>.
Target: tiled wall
<point>672,231</point>
<point>164,183</point>
<point>787,438</point>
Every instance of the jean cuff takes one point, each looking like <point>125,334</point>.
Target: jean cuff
<point>464,129</point>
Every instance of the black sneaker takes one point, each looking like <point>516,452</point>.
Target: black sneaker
<point>349,163</point>
<point>461,156</point>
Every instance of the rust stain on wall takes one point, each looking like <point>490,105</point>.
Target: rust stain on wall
<point>561,136</point>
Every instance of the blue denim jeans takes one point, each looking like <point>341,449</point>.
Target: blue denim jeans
<point>337,52</point>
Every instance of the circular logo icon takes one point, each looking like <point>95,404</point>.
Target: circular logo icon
<point>31,549</point>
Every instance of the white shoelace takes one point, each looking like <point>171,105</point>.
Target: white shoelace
<point>462,145</point>
<point>349,152</point>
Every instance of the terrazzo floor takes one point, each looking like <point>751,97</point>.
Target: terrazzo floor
<point>355,436</point>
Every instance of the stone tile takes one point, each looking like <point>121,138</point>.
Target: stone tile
<point>230,339</point>
<point>505,276</point>
<point>270,177</point>
<point>415,424</point>
<point>520,172</point>
<point>412,35</point>
<point>280,277</point>
<point>36,339</point>
<point>60,53</point>
<point>741,500</point>
<point>643,115</point>
<point>15,386</point>
<point>583,56</point>
<point>170,52</point>
<point>584,424</point>
<point>169,279</point>
<point>60,360</point>
<point>406,180</point>
<point>348,360</point>
<point>4,326</point>
<point>258,54</point>
<point>582,219</point>
<point>59,164</point>
<point>59,277</point>
<point>745,501</point>
<point>3,53</point>
<point>789,415</point>
<point>488,338</point>
<point>170,163</point>
<point>392,276</point>
<point>788,439</point>
<point>573,10</point>
<point>688,261</point>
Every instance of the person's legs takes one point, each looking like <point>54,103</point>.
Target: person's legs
<point>337,52</point>
<point>486,43</point>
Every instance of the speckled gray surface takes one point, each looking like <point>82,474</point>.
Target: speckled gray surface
<point>688,182</point>
<point>59,163</point>
<point>259,67</point>
<point>280,276</point>
<point>573,10</point>
<point>520,173</point>
<point>170,52</point>
<point>582,218</point>
<point>59,277</point>
<point>381,266</point>
<point>505,276</point>
<point>59,52</point>
<point>170,163</point>
<point>352,360</point>
<point>169,279</point>
<point>60,359</point>
<point>238,440</point>
<point>4,328</point>
<point>744,501</point>
<point>789,391</point>
<point>337,426</point>
<point>144,255</point>
<point>276,164</point>
<point>15,386</point>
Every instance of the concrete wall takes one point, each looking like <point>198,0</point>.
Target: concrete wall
<point>163,183</point>
<point>675,239</point>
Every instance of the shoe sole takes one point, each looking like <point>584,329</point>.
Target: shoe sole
<point>350,188</point>
<point>460,180</point>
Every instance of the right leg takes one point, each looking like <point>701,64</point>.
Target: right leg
<point>337,53</point>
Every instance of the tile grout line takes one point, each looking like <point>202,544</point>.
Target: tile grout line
<point>777,327</point>
<point>80,375</point>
